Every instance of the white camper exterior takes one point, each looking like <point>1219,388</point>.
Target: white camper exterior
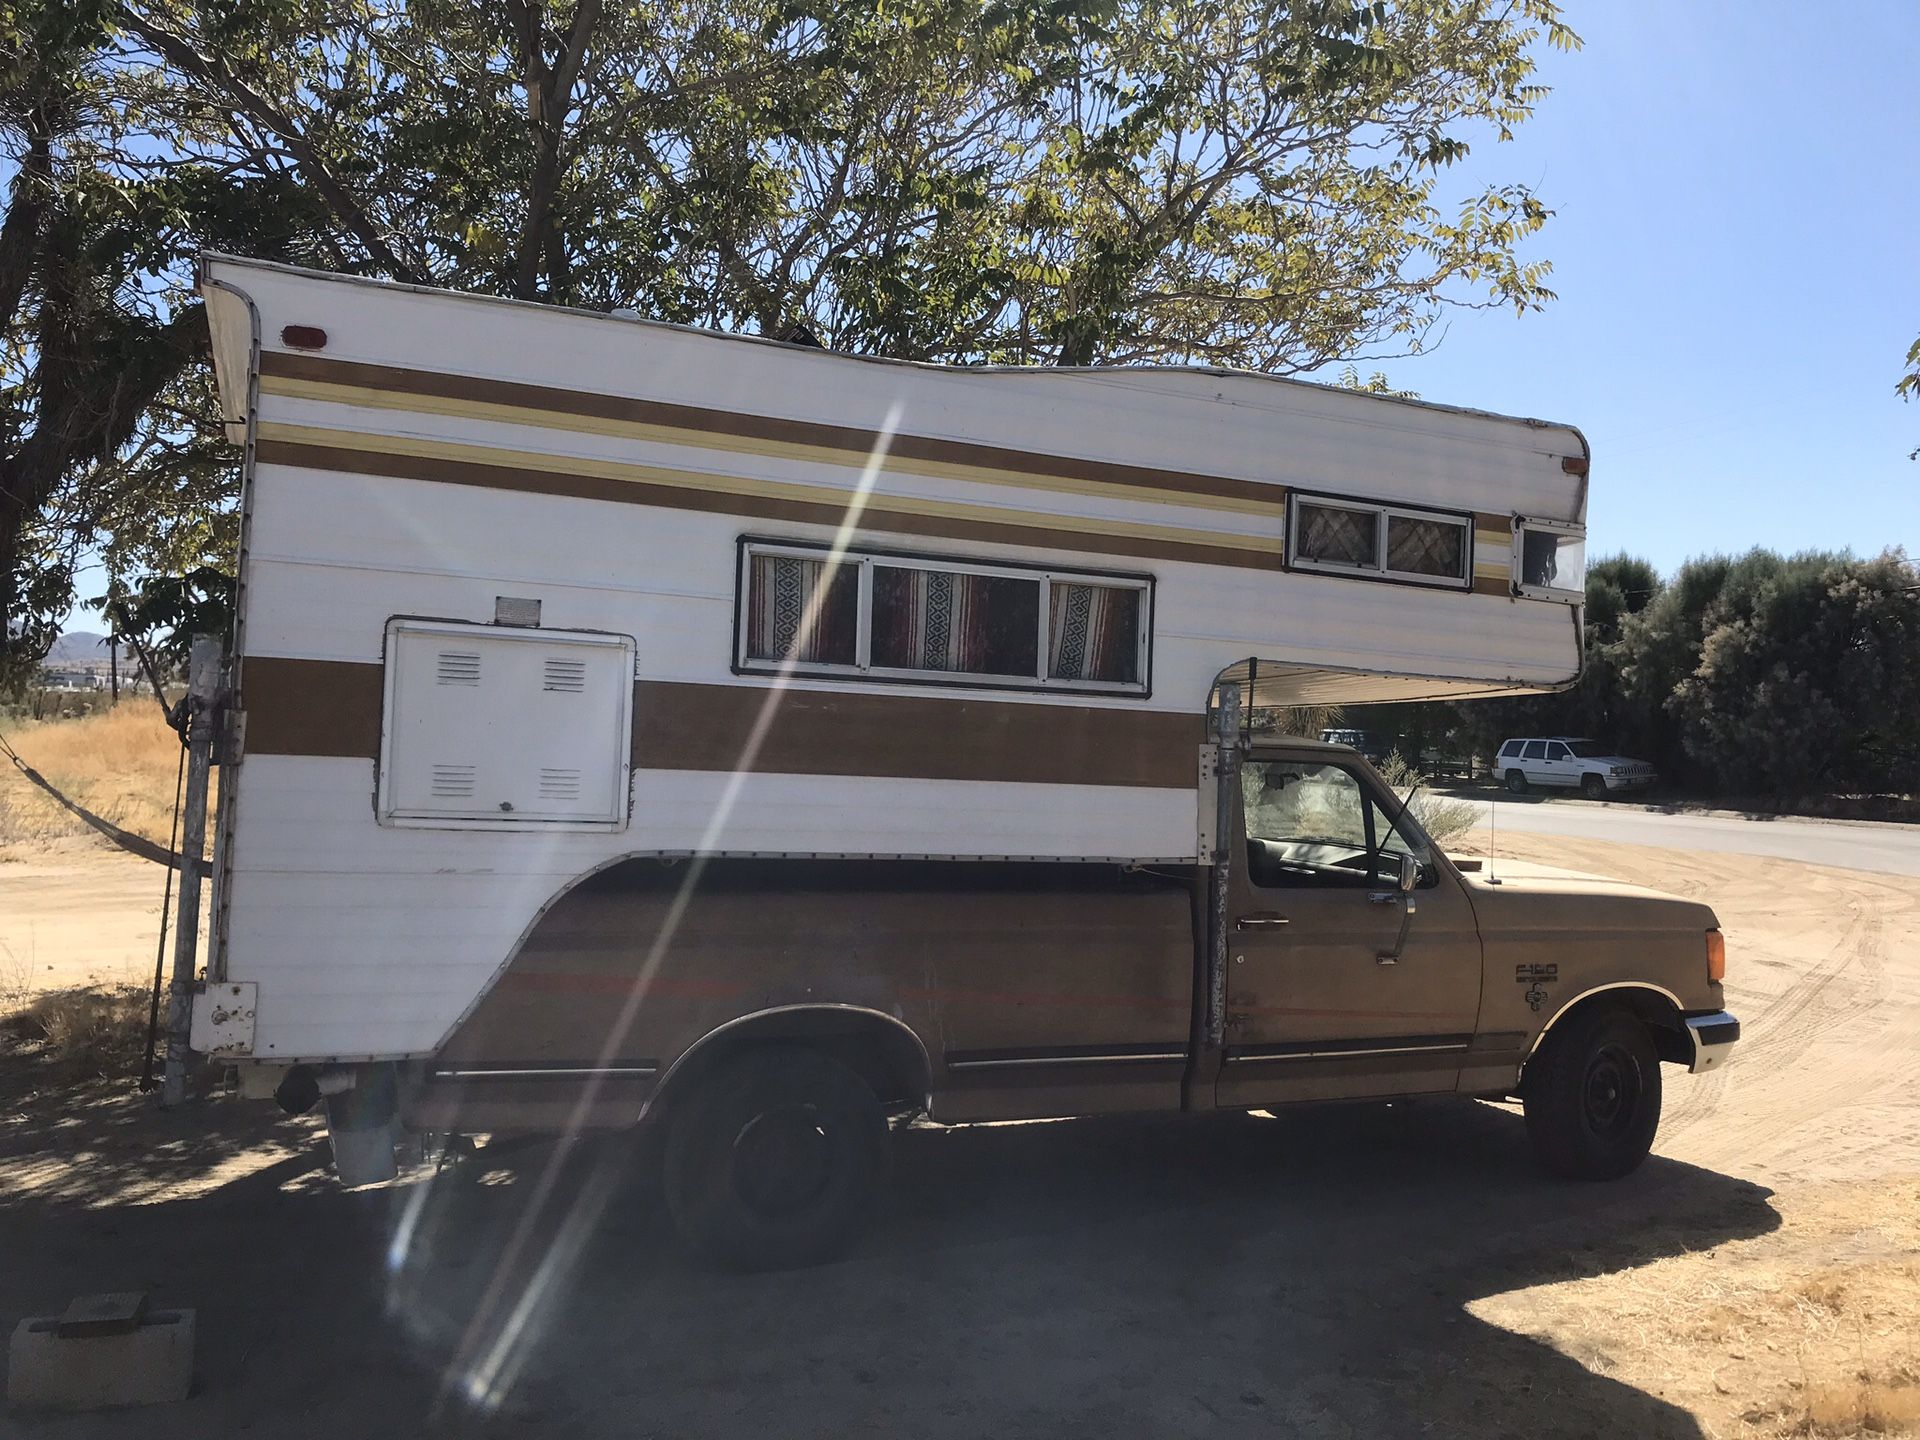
<point>511,610</point>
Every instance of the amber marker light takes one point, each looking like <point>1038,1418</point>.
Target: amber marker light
<point>1716,956</point>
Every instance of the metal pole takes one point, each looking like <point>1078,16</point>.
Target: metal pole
<point>203,685</point>
<point>1227,772</point>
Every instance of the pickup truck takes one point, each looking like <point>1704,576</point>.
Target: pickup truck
<point>1354,961</point>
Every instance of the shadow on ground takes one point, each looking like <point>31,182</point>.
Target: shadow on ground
<point>1301,1275</point>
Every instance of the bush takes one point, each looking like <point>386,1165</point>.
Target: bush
<point>1443,819</point>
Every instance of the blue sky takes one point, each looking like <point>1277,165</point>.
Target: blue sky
<point>1736,246</point>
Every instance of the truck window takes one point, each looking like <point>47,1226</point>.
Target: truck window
<point>1536,750</point>
<point>1557,751</point>
<point>1316,825</point>
<point>1510,749</point>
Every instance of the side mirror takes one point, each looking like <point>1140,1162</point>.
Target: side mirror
<point>1409,874</point>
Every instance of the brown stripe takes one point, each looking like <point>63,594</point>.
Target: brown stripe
<point>311,707</point>
<point>1492,585</point>
<point>853,441</point>
<point>1487,520</point>
<point>705,727</point>
<point>634,492</point>
<point>327,707</point>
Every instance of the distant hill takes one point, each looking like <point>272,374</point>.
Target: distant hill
<point>78,645</point>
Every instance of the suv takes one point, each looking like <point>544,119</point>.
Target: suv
<point>1569,761</point>
<point>1375,747</point>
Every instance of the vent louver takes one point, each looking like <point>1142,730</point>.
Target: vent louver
<point>559,784</point>
<point>566,677</point>
<point>458,667</point>
<point>453,781</point>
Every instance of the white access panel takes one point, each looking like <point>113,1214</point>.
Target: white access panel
<point>509,729</point>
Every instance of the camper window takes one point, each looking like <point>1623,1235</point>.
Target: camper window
<point>1550,559</point>
<point>1379,541</point>
<point>897,617</point>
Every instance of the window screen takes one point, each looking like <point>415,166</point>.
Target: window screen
<point>898,617</point>
<point>797,611</point>
<point>1094,633</point>
<point>967,624</point>
<point>1335,535</point>
<point>1418,545</point>
<point>1380,541</point>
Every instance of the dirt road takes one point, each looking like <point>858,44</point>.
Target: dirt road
<point>1341,1272</point>
<point>74,912</point>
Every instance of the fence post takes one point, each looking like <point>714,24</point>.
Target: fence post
<point>203,689</point>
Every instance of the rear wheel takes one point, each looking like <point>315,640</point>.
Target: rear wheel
<point>1594,787</point>
<point>1592,1096</point>
<point>775,1159</point>
<point>1517,782</point>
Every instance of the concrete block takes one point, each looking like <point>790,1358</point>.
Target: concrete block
<point>106,1350</point>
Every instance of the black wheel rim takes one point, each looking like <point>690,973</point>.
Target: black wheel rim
<point>781,1161</point>
<point>1611,1094</point>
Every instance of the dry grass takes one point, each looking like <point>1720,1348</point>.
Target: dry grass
<point>120,763</point>
<point>1868,1404</point>
<point>1811,1330</point>
<point>97,1032</point>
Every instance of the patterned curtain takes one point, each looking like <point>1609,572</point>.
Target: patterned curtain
<point>1095,633</point>
<point>784,617</point>
<point>928,619</point>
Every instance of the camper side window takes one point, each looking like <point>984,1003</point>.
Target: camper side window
<point>897,617</point>
<point>1380,541</point>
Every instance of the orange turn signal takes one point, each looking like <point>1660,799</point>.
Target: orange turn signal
<point>1716,956</point>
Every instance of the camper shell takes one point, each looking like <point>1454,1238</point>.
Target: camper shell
<point>606,695</point>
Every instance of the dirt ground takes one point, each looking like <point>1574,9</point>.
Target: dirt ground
<point>1354,1271</point>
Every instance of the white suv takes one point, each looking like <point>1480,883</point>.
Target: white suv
<point>1568,761</point>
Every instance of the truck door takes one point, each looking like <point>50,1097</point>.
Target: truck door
<point>1326,998</point>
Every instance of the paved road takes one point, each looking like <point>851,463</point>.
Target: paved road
<point>1882,849</point>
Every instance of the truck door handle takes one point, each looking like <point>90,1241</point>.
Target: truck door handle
<point>1265,920</point>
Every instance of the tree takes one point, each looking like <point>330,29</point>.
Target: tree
<point>1029,181</point>
<point>1909,385</point>
<point>1808,678</point>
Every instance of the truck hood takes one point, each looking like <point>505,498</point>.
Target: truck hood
<point>1542,897</point>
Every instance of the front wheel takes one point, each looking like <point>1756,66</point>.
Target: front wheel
<point>1592,1096</point>
<point>774,1159</point>
<point>1593,787</point>
<point>1517,782</point>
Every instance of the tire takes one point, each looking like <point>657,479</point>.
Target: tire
<point>775,1159</point>
<point>1594,787</point>
<point>1592,1096</point>
<point>1517,781</point>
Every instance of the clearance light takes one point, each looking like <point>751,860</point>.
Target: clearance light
<point>1716,956</point>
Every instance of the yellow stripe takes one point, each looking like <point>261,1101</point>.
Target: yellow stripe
<point>738,485</point>
<point>330,392</point>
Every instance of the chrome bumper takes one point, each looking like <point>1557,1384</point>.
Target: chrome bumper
<point>1714,1037</point>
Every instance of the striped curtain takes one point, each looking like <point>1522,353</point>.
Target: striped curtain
<point>928,619</point>
<point>1095,633</point>
<point>788,615</point>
